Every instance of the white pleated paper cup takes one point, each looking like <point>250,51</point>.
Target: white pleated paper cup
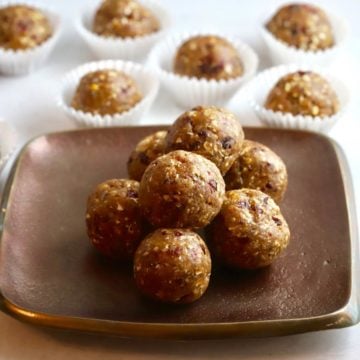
<point>259,88</point>
<point>8,141</point>
<point>190,91</point>
<point>22,62</point>
<point>282,53</point>
<point>145,79</point>
<point>122,48</point>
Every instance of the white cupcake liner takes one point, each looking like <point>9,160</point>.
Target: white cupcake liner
<point>189,92</point>
<point>258,89</point>
<point>282,53</point>
<point>144,78</point>
<point>122,48</point>
<point>8,141</point>
<point>21,62</point>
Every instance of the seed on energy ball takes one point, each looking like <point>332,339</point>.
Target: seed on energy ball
<point>250,232</point>
<point>258,167</point>
<point>124,18</point>
<point>23,27</point>
<point>106,92</point>
<point>147,150</point>
<point>303,26</point>
<point>208,57</point>
<point>212,132</point>
<point>181,190</point>
<point>114,222</point>
<point>303,93</point>
<point>172,266</point>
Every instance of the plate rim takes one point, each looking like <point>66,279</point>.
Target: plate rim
<point>347,315</point>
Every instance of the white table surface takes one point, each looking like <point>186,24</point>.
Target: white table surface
<point>28,102</point>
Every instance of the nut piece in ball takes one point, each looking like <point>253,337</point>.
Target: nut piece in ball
<point>212,132</point>
<point>172,266</point>
<point>208,57</point>
<point>258,167</point>
<point>249,232</point>
<point>303,26</point>
<point>303,93</point>
<point>123,19</point>
<point>106,92</point>
<point>181,190</point>
<point>147,150</point>
<point>114,222</point>
<point>23,27</point>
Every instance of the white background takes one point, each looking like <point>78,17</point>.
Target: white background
<point>29,103</point>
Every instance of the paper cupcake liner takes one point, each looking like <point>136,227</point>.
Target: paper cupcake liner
<point>122,48</point>
<point>144,78</point>
<point>21,62</point>
<point>8,140</point>
<point>258,89</point>
<point>189,92</point>
<point>281,53</point>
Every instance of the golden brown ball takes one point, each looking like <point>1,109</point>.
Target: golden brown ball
<point>124,18</point>
<point>208,57</point>
<point>23,27</point>
<point>303,93</point>
<point>172,266</point>
<point>303,26</point>
<point>106,92</point>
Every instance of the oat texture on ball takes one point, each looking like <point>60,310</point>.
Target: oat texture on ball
<point>182,190</point>
<point>303,26</point>
<point>258,167</point>
<point>23,27</point>
<point>208,57</point>
<point>172,266</point>
<point>114,222</point>
<point>124,19</point>
<point>212,132</point>
<point>147,150</point>
<point>250,232</point>
<point>106,92</point>
<point>303,93</point>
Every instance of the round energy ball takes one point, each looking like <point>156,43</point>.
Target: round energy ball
<point>23,27</point>
<point>114,222</point>
<point>208,57</point>
<point>181,190</point>
<point>147,150</point>
<point>303,93</point>
<point>212,132</point>
<point>249,232</point>
<point>124,18</point>
<point>303,26</point>
<point>258,167</point>
<point>106,92</point>
<point>173,266</point>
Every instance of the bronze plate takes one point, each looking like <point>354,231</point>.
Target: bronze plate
<point>50,274</point>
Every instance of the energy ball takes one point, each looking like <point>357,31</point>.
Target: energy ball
<point>249,232</point>
<point>208,57</point>
<point>303,26</point>
<point>181,190</point>
<point>124,18</point>
<point>172,266</point>
<point>23,27</point>
<point>212,132</point>
<point>258,167</point>
<point>114,222</point>
<point>147,150</point>
<point>303,93</point>
<point>106,92</point>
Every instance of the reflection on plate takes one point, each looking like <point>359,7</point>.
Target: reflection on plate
<point>50,274</point>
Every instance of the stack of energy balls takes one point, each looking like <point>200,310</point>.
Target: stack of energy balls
<point>199,174</point>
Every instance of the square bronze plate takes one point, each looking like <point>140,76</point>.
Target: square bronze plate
<point>50,275</point>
